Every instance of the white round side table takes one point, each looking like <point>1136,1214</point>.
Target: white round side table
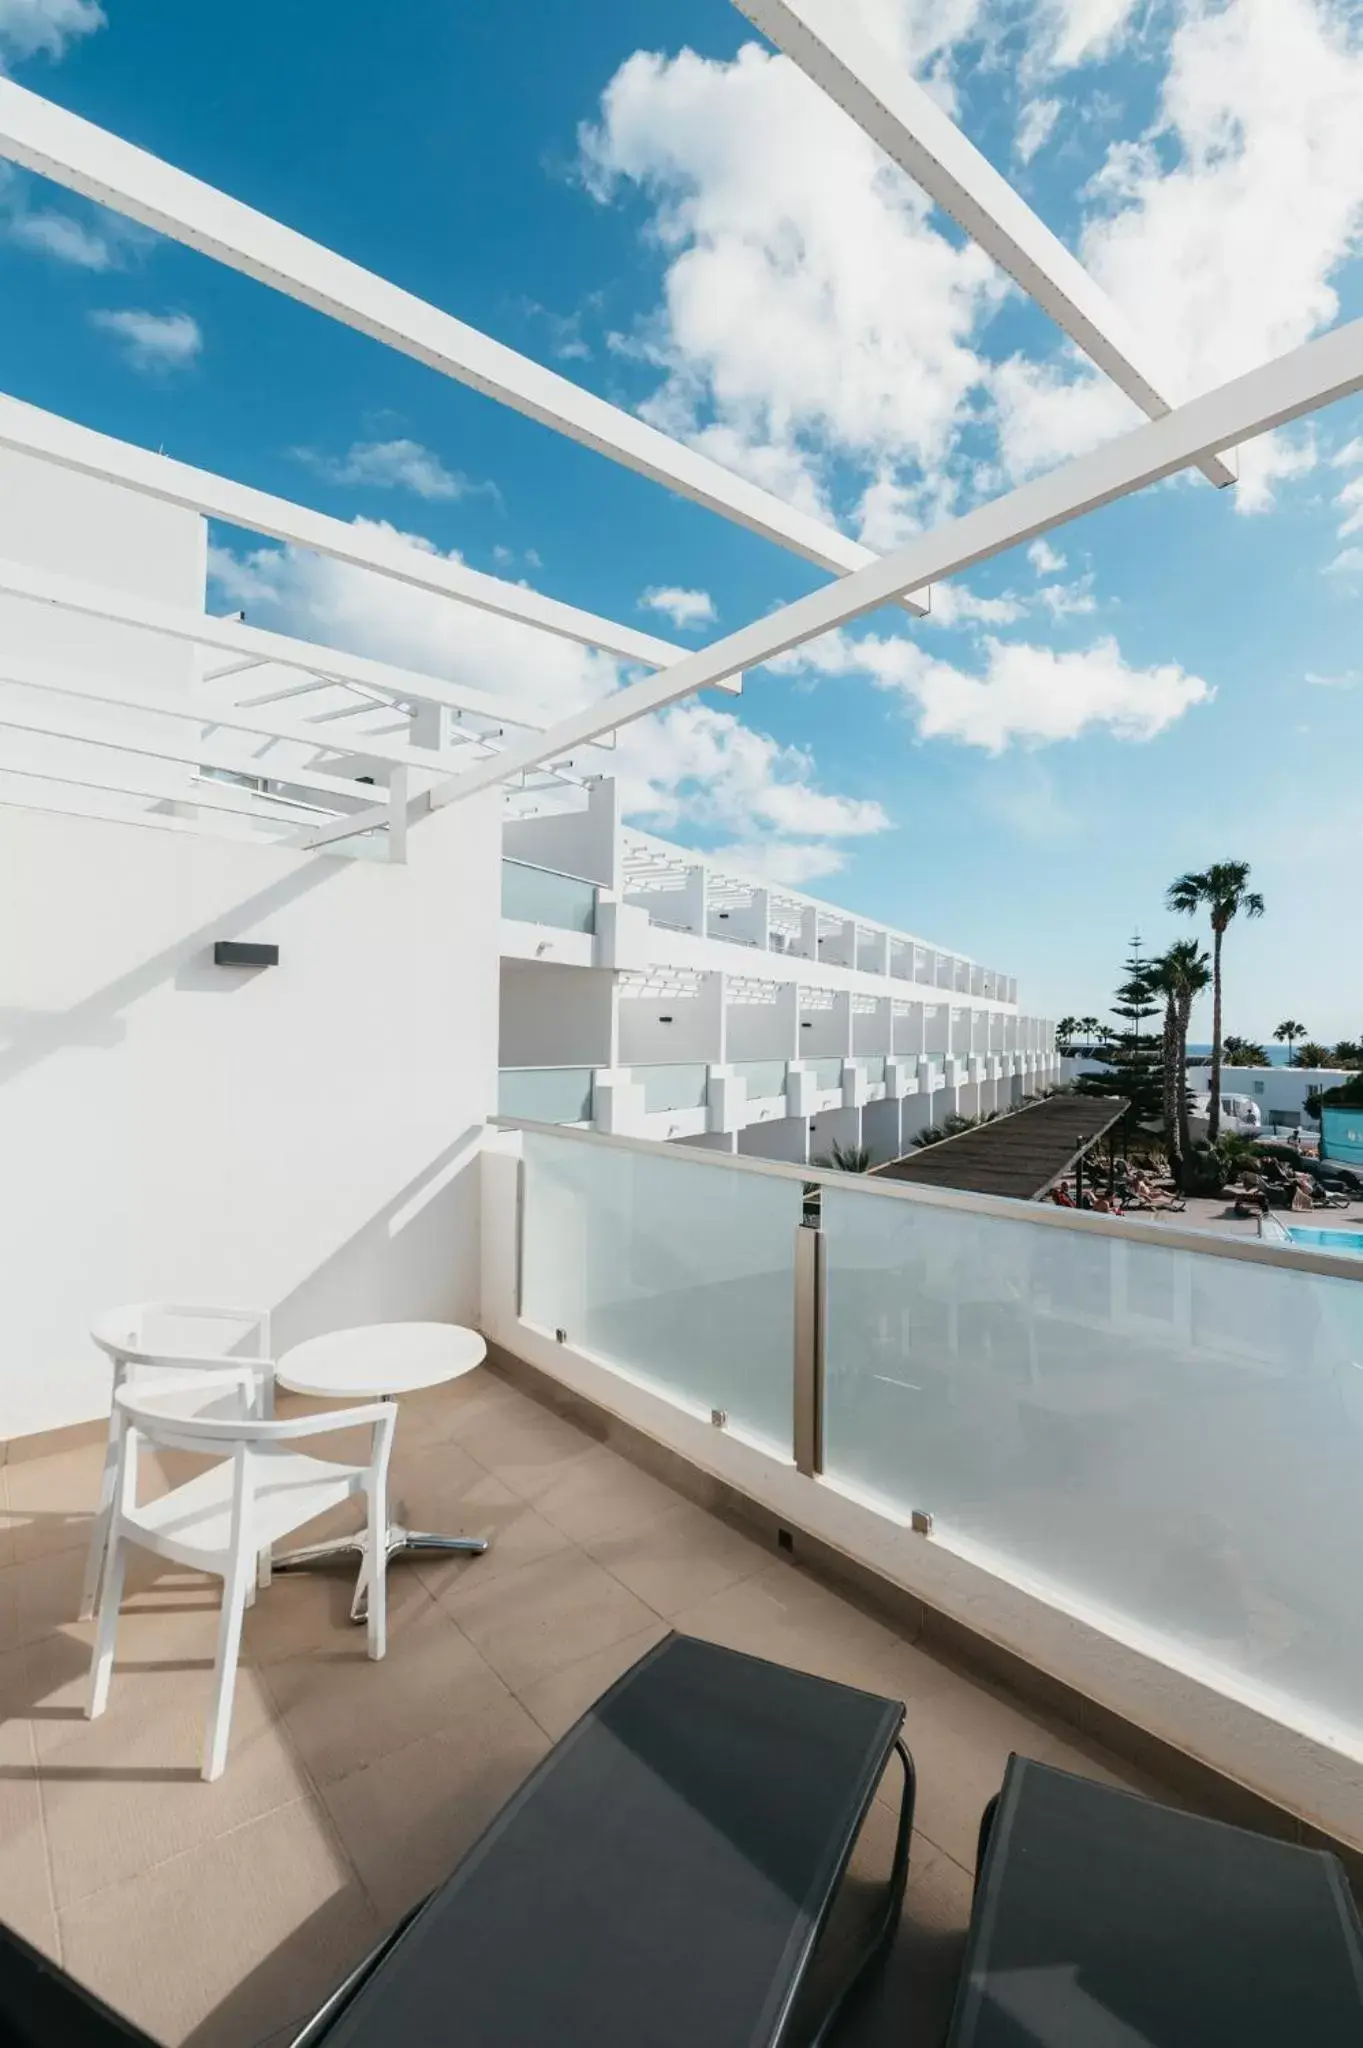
<point>378,1361</point>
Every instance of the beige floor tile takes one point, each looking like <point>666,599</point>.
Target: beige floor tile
<point>562,1698</point>
<point>52,1500</point>
<point>39,1594</point>
<point>344,1711</point>
<point>164,1652</point>
<point>8,1522</point>
<point>960,1738</point>
<point>785,1615</point>
<point>601,1494</point>
<point>910,1997</point>
<point>513,1531</point>
<point>124,1794</point>
<point>407,1820</point>
<point>533,1621</point>
<point>230,1941</point>
<point>26,1902</point>
<point>443,1414</point>
<point>677,1559</point>
<point>526,1446</point>
<point>310,1610</point>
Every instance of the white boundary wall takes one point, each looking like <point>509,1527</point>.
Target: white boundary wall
<point>303,1138</point>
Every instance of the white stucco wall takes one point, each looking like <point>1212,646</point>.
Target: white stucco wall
<point>94,533</point>
<point>303,1137</point>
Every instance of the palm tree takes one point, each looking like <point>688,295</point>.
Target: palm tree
<point>1179,975</point>
<point>1064,1033</point>
<point>847,1159</point>
<point>1223,890</point>
<point>1287,1034</point>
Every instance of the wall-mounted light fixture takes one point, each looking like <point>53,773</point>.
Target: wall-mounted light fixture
<point>664,1020</point>
<point>244,953</point>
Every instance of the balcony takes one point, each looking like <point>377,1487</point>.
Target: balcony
<point>1071,1487</point>
<point>220,1916</point>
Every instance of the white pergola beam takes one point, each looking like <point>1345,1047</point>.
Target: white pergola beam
<point>40,674</point>
<point>31,431</point>
<point>237,803</point>
<point>200,629</point>
<point>1295,385</point>
<point>49,722</point>
<point>87,159</point>
<point>83,804</point>
<point>826,40</point>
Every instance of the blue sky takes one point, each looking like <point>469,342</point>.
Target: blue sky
<point>656,204</point>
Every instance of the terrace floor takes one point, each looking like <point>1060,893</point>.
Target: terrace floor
<point>223,1914</point>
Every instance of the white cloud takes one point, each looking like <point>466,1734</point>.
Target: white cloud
<point>690,764</point>
<point>1220,231</point>
<point>683,607</point>
<point>43,28</point>
<point>153,341</point>
<point>1348,681</point>
<point>1348,563</point>
<point>1035,127</point>
<point>1026,695</point>
<point>1349,505</point>
<point>58,235</point>
<point>697,764</point>
<point>811,308</point>
<point>1074,32</point>
<point>1068,600</point>
<point>390,465</point>
<point>953,604</point>
<point>101,244</point>
<point>1046,560</point>
<point>320,599</point>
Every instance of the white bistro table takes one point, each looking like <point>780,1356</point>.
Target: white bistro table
<point>378,1361</point>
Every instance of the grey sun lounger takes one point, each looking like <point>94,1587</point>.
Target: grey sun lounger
<point>660,1881</point>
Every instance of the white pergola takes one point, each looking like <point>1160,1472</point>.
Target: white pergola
<point>367,746</point>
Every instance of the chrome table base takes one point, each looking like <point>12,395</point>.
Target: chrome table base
<point>401,1541</point>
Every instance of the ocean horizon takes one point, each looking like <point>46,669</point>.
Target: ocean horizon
<point>1277,1054</point>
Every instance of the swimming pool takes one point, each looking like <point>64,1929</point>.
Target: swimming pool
<point>1347,1244</point>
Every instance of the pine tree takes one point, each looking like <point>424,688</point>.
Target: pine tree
<point>1132,1056</point>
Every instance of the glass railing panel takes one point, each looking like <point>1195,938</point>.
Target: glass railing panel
<point>763,1077</point>
<point>679,1271</point>
<point>827,1072</point>
<point>1167,1438</point>
<point>546,1095</point>
<point>538,896</point>
<point>673,1087</point>
<point>872,1064</point>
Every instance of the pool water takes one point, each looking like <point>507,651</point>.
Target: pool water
<point>1348,1243</point>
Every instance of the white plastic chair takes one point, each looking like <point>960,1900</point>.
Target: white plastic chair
<point>226,1518</point>
<point>137,1338</point>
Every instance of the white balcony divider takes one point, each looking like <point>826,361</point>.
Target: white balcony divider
<point>548,1095</point>
<point>669,1268</point>
<point>540,896</point>
<point>1165,1441</point>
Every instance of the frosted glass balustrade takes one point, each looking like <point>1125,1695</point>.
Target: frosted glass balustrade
<point>764,1078</point>
<point>546,1095</point>
<point>673,1086</point>
<point>539,896</point>
<point>1171,1438</point>
<point>678,1272</point>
